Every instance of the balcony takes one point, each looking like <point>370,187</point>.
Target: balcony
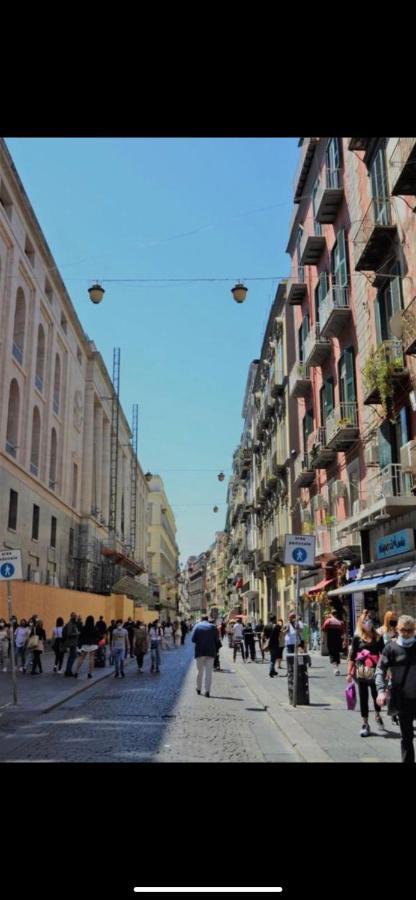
<point>297,290</point>
<point>334,312</point>
<point>316,348</point>
<point>304,474</point>
<point>392,489</point>
<point>299,380</point>
<point>342,427</point>
<point>403,167</point>
<point>312,247</point>
<point>303,166</point>
<point>329,196</point>
<point>389,356</point>
<point>409,328</point>
<point>346,545</point>
<point>319,454</point>
<point>375,237</point>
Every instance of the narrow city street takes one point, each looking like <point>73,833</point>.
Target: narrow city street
<point>160,718</point>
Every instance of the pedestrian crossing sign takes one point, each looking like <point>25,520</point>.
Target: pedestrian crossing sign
<point>299,550</point>
<point>10,565</point>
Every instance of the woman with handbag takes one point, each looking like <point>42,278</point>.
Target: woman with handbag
<point>36,644</point>
<point>365,652</point>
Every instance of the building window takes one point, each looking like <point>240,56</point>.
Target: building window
<point>71,542</point>
<point>346,373</point>
<point>35,523</point>
<point>307,426</point>
<point>40,359</point>
<point>302,335</point>
<point>19,326</point>
<point>321,291</point>
<point>48,291</point>
<point>326,396</point>
<point>6,201</point>
<point>63,323</point>
<point>389,301</point>
<point>316,225</point>
<point>333,163</point>
<point>30,251</point>
<point>79,356</point>
<point>74,485</point>
<point>339,261</point>
<point>12,523</point>
<point>53,531</point>
<point>13,418</point>
<point>379,187</point>
<point>301,270</point>
<point>57,384</point>
<point>52,462</point>
<point>34,453</point>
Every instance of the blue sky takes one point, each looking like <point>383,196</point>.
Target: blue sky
<point>127,208</point>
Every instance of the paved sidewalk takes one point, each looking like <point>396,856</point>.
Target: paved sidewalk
<point>41,693</point>
<point>324,731</point>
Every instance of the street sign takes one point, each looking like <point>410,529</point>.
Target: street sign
<point>10,565</point>
<point>299,550</point>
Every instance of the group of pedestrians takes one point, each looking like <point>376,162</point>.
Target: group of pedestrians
<point>79,641</point>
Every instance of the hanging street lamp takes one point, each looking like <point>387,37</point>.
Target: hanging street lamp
<point>215,509</point>
<point>221,476</point>
<point>239,292</point>
<point>96,293</point>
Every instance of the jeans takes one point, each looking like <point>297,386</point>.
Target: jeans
<point>20,652</point>
<point>204,664</point>
<point>406,716</point>
<point>59,658</point>
<point>37,656</point>
<point>273,658</point>
<point>140,658</point>
<point>119,660</point>
<point>238,645</point>
<point>155,656</point>
<point>250,648</point>
<point>72,655</point>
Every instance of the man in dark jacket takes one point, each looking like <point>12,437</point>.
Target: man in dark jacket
<point>274,641</point>
<point>70,634</point>
<point>400,657</point>
<point>205,638</point>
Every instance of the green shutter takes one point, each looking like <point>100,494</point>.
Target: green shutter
<point>351,394</point>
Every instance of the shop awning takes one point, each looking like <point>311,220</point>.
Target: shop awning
<point>408,582</point>
<point>366,584</point>
<point>320,586</point>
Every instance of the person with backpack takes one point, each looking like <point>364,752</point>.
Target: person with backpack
<point>399,659</point>
<point>58,645</point>
<point>364,655</point>
<point>70,635</point>
<point>155,637</point>
<point>205,637</point>
<point>334,629</point>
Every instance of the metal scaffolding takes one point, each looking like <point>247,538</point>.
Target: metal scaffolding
<point>133,480</point>
<point>114,444</point>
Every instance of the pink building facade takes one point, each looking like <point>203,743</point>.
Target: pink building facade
<point>352,296</point>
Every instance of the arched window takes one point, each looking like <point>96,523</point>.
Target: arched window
<point>57,384</point>
<point>13,418</point>
<point>19,326</point>
<point>52,463</point>
<point>34,453</point>
<point>40,359</point>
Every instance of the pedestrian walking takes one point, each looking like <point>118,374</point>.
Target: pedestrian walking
<point>274,647</point>
<point>21,637</point>
<point>362,662</point>
<point>168,635</point>
<point>70,635</point>
<point>249,645</point>
<point>88,639</point>
<point>141,644</point>
<point>334,629</point>
<point>205,638</point>
<point>388,632</point>
<point>281,646</point>
<point>184,631</point>
<point>178,633</point>
<point>110,630</point>
<point>36,643</point>
<point>4,645</point>
<point>238,639</point>
<point>120,647</point>
<point>230,627</point>
<point>399,658</point>
<point>101,627</point>
<point>130,628</point>
<point>293,633</point>
<point>222,629</point>
<point>58,645</point>
<point>155,637</point>
<point>259,628</point>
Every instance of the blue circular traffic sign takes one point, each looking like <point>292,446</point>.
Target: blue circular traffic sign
<point>299,554</point>
<point>7,570</point>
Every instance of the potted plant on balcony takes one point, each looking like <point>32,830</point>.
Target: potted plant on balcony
<point>378,375</point>
<point>329,520</point>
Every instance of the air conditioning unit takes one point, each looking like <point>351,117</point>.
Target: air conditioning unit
<point>339,489</point>
<point>319,502</point>
<point>371,455</point>
<point>408,456</point>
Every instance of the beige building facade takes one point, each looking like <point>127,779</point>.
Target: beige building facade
<point>163,552</point>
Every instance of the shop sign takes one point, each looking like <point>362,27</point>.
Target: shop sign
<point>395,544</point>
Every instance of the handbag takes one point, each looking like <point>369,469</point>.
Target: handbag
<point>351,696</point>
<point>33,643</point>
<point>365,666</point>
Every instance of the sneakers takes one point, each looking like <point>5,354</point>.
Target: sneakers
<point>379,721</point>
<point>365,731</point>
<point>207,694</point>
<point>198,691</point>
<point>54,668</point>
<point>336,672</point>
<point>395,720</point>
<point>89,675</point>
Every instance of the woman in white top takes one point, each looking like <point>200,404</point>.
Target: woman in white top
<point>168,636</point>
<point>155,635</point>
<point>58,645</point>
<point>21,637</point>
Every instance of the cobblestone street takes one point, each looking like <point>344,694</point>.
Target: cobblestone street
<point>160,718</point>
